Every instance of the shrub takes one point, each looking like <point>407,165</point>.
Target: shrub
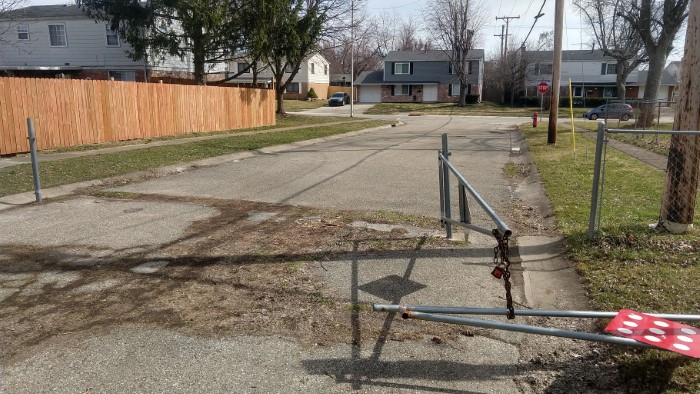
<point>471,99</point>
<point>312,94</point>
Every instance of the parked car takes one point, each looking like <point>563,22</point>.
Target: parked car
<point>610,111</point>
<point>340,98</point>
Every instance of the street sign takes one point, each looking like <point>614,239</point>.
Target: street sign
<point>543,87</point>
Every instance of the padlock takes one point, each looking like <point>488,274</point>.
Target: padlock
<point>497,272</point>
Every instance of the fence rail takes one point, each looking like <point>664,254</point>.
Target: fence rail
<point>80,112</point>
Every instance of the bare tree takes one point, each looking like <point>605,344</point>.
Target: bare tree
<point>7,18</point>
<point>455,24</point>
<point>657,23</point>
<point>545,41</point>
<point>367,56</point>
<point>615,36</point>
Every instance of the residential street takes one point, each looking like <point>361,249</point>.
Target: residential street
<point>98,248</point>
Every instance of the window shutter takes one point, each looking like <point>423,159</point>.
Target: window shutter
<point>449,67</point>
<point>392,90</point>
<point>392,73</point>
<point>410,88</point>
<point>449,90</point>
<point>602,69</point>
<point>411,71</point>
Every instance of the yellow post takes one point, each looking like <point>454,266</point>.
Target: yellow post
<point>571,111</point>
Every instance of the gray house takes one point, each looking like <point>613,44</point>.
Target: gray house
<point>419,76</point>
<point>50,41</point>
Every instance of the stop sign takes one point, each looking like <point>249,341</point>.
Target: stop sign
<point>542,87</point>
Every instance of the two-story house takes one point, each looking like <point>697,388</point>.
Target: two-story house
<point>592,74</point>
<point>313,73</point>
<point>51,41</point>
<point>420,76</point>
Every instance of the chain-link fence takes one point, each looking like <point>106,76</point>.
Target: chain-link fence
<point>640,114</point>
<point>632,186</point>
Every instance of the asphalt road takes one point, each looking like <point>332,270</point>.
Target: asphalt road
<point>391,169</point>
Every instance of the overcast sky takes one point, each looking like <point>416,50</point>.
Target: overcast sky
<point>574,35</point>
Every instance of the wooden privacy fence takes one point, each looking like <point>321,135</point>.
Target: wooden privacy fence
<point>80,112</point>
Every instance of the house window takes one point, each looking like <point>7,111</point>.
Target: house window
<point>402,68</point>
<point>454,89</point>
<point>313,70</point>
<point>543,68</point>
<point>293,87</point>
<point>57,35</point>
<point>610,91</point>
<point>471,67</point>
<point>112,37</point>
<point>22,32</point>
<point>578,91</point>
<point>244,68</point>
<point>402,90</point>
<point>121,75</point>
<point>611,68</point>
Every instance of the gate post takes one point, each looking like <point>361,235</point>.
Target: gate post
<point>446,187</point>
<point>596,179</point>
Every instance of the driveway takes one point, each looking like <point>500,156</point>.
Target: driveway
<point>387,170</point>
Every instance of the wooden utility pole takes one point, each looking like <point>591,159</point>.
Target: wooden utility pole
<point>507,19</point>
<point>503,27</point>
<point>683,169</point>
<point>556,72</point>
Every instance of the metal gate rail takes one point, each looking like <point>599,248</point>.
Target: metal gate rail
<point>465,220</point>
<point>443,313</point>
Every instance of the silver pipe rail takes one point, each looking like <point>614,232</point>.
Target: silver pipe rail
<point>518,312</point>
<point>556,332</point>
<point>464,209</point>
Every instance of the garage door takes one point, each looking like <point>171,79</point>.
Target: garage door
<point>430,93</point>
<point>370,94</point>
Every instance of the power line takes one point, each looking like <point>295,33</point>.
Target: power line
<point>507,19</point>
<point>537,17</point>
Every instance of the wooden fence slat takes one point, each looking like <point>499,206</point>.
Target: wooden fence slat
<point>74,112</point>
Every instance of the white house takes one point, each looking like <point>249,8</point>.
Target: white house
<point>60,41</point>
<point>314,73</point>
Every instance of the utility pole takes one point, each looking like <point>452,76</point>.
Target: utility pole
<point>501,35</point>
<point>683,169</point>
<point>556,72</point>
<point>352,58</point>
<point>507,19</point>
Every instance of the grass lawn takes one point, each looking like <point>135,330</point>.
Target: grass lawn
<point>299,105</point>
<point>481,109</point>
<point>628,265</point>
<point>18,178</point>
<point>282,121</point>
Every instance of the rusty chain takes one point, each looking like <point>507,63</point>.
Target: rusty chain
<point>502,269</point>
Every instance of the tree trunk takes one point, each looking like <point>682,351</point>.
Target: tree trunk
<point>657,61</point>
<point>683,170</point>
<point>280,101</point>
<point>462,94</point>
<point>621,84</point>
<point>198,60</point>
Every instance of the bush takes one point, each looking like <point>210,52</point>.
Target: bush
<point>580,102</point>
<point>471,99</point>
<point>529,101</point>
<point>312,94</point>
